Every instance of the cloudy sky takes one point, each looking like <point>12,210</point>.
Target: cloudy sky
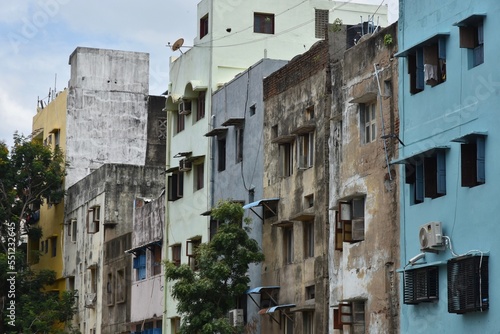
<point>37,37</point>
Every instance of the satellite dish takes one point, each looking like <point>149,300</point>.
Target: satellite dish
<point>177,45</point>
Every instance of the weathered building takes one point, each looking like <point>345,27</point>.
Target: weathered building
<point>147,279</point>
<point>448,105</point>
<point>232,36</point>
<point>99,214</point>
<point>237,146</point>
<point>364,231</point>
<point>297,110</point>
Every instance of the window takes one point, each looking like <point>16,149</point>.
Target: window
<point>309,201</point>
<point>176,325</point>
<point>73,230</point>
<point>286,159</point>
<point>221,150</point>
<point>181,120</point>
<point>93,279</point>
<point>353,314</point>
<point>308,239</point>
<point>46,246</point>
<point>426,175</point>
<point>310,292</point>
<point>53,246</point>
<point>162,128</point>
<point>321,21</point>
<point>176,254</point>
<point>239,144</point>
<point>57,137</point>
<point>191,252</point>
<point>472,38</point>
<point>308,322</point>
<point>252,110</point>
<point>199,171</point>
<point>306,150</point>
<point>140,265</point>
<point>427,63</point>
<point>93,218</point>
<point>263,23</point>
<point>200,110</point>
<point>109,290</point>
<point>421,285</point>
<point>203,26</point>
<point>289,318</point>
<point>156,260</point>
<point>288,244</point>
<point>473,161</point>
<point>468,284</point>
<point>214,227</point>
<point>368,120</point>
<point>175,186</point>
<point>350,222</point>
<point>310,113</point>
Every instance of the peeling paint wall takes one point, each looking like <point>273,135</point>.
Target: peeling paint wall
<point>107,110</point>
<point>365,270</point>
<point>91,257</point>
<point>297,101</point>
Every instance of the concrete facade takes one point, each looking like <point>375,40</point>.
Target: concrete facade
<point>107,110</point>
<point>147,287</point>
<point>95,260</point>
<point>237,143</point>
<point>364,188</point>
<point>297,108</point>
<point>225,47</point>
<point>449,122</point>
<point>49,128</point>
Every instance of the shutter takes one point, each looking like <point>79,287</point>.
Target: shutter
<point>419,182</point>
<point>410,173</point>
<point>480,165</point>
<point>442,48</point>
<point>358,229</point>
<point>339,234</point>
<point>412,69</point>
<point>441,173</point>
<point>180,185</point>
<point>468,161</point>
<point>136,263</point>
<point>420,69</point>
<point>172,187</point>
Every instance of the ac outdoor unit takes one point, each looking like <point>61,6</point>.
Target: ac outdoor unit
<point>431,237</point>
<point>90,300</point>
<point>185,165</point>
<point>184,107</point>
<point>236,317</point>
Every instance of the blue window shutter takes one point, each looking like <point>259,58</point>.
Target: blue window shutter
<point>157,331</point>
<point>441,172</point>
<point>442,48</point>
<point>419,182</point>
<point>420,68</point>
<point>136,262</point>
<point>481,174</point>
<point>142,260</point>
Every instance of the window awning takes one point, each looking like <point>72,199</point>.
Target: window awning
<point>216,132</point>
<point>273,309</point>
<point>143,246</point>
<point>260,289</point>
<point>234,121</point>
<point>267,203</point>
<point>428,41</point>
<point>365,98</point>
<point>468,136</point>
<point>303,216</point>
<point>415,156</point>
<point>303,129</point>
<point>472,19</point>
<point>284,139</point>
<point>172,169</point>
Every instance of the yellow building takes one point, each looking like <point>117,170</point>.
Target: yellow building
<point>49,127</point>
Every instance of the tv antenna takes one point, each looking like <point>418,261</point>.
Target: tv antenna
<point>177,45</point>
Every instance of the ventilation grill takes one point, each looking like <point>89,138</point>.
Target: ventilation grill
<point>421,285</point>
<point>468,284</point>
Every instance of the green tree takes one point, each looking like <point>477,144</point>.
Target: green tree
<point>30,174</point>
<point>206,295</point>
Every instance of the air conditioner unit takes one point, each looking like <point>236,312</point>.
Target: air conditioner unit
<point>431,237</point>
<point>236,317</point>
<point>184,107</point>
<point>185,165</point>
<point>90,300</point>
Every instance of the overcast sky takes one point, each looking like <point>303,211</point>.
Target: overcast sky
<point>37,37</point>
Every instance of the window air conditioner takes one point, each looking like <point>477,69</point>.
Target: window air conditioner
<point>431,237</point>
<point>236,317</point>
<point>185,165</point>
<point>184,107</point>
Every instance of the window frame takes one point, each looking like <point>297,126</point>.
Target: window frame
<point>176,251</point>
<point>471,37</point>
<point>204,26</point>
<point>199,172</point>
<point>93,219</point>
<point>191,252</point>
<point>139,264</point>
<point>201,105</point>
<point>368,120</point>
<point>350,221</point>
<point>353,313</point>
<point>180,122</point>
<point>308,322</point>
<point>175,185</point>
<point>286,159</point>
<point>305,150</point>
<point>239,142</point>
<point>221,153</point>
<point>288,244</point>
<point>472,161</point>
<point>263,23</point>
<point>155,259</point>
<point>309,237</point>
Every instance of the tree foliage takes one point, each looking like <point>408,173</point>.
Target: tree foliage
<point>206,295</point>
<point>29,174</point>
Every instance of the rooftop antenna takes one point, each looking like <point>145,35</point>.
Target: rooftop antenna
<point>177,45</point>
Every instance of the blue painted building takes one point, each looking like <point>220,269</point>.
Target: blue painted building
<point>449,92</point>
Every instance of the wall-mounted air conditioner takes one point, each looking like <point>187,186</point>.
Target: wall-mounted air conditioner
<point>185,107</point>
<point>236,317</point>
<point>185,165</point>
<point>431,237</point>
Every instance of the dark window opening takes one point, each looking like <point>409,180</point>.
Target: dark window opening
<point>263,23</point>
